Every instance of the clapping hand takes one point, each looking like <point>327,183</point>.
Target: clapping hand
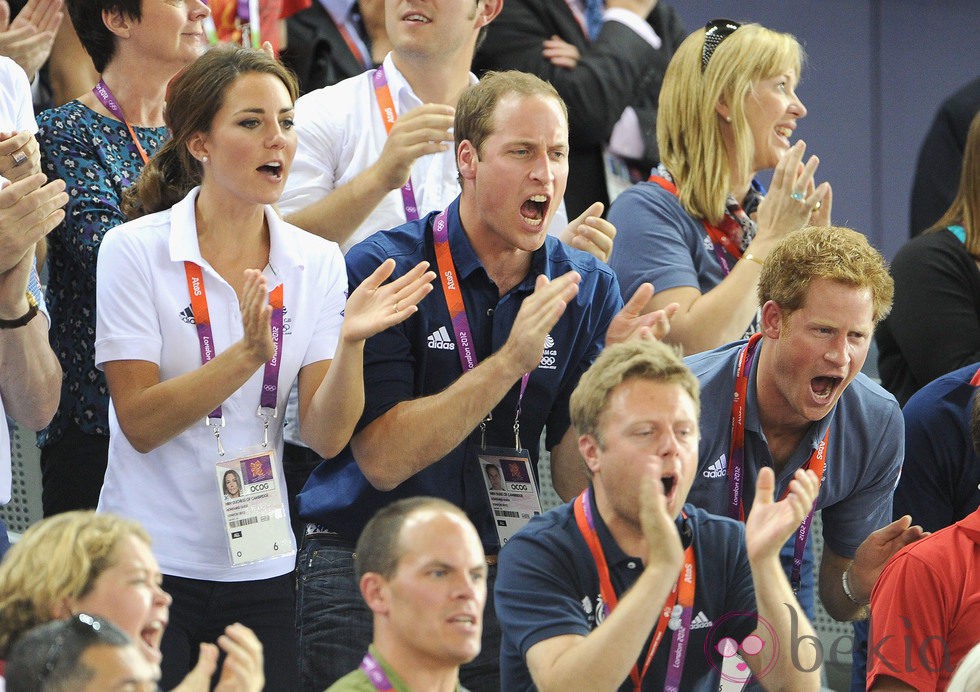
<point>375,305</point>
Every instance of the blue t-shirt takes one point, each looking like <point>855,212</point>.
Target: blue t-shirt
<point>864,452</point>
<point>940,481</point>
<point>547,586</point>
<point>418,357</point>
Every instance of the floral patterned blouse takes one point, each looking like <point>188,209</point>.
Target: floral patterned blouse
<point>95,156</point>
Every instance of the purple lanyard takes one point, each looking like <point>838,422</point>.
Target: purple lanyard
<point>453,291</point>
<point>101,91</point>
<point>375,673</point>
<point>202,318</point>
<point>388,115</point>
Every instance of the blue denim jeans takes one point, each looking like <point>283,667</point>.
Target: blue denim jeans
<point>335,626</point>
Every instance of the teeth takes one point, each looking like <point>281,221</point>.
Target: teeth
<point>533,222</point>
<point>784,131</point>
<point>539,198</point>
<point>417,18</point>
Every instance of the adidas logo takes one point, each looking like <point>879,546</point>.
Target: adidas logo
<point>701,621</point>
<point>719,469</point>
<point>187,315</point>
<point>439,339</point>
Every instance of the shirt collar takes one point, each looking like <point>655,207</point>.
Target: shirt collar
<point>467,261</point>
<point>339,10</point>
<point>402,94</point>
<point>184,246</point>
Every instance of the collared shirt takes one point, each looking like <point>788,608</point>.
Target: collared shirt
<point>144,314</point>
<point>547,586</point>
<point>341,133</point>
<point>864,454</point>
<point>418,357</point>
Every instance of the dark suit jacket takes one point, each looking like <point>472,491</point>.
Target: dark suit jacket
<point>618,69</point>
<point>316,51</point>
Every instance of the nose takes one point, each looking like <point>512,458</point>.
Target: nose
<point>796,107</point>
<point>544,168</point>
<point>162,597</point>
<point>838,352</point>
<point>277,139</point>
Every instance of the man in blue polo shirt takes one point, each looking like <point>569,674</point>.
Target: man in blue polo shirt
<point>448,385</point>
<point>627,587</point>
<point>793,397</point>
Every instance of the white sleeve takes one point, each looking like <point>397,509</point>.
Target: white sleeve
<point>313,174</point>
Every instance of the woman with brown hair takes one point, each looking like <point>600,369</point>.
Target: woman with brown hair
<point>934,325</point>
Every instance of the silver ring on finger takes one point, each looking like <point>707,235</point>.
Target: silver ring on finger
<point>19,157</point>
<point>798,196</point>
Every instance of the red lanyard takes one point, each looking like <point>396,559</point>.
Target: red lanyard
<point>736,458</point>
<point>683,592</point>
<point>717,236</point>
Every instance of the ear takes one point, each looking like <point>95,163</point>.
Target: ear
<point>772,320</point>
<point>467,159</point>
<point>117,22</point>
<point>374,590</point>
<point>588,447</point>
<point>197,145</point>
<point>723,110</point>
<point>489,9</point>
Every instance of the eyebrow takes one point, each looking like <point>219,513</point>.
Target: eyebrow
<point>260,110</point>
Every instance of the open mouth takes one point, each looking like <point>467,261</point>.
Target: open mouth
<point>272,169</point>
<point>150,637</point>
<point>669,482</point>
<point>823,387</point>
<point>534,209</point>
<point>416,18</point>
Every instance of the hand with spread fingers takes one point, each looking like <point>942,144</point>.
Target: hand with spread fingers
<point>375,305</point>
<point>539,312</point>
<point>632,322</point>
<point>770,523</point>
<point>793,197</point>
<point>590,233</point>
<point>27,40</point>
<point>420,131</point>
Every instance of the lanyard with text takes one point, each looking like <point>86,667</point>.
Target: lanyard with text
<point>202,318</point>
<point>457,310</point>
<point>736,459</point>
<point>375,673</point>
<point>682,594</point>
<point>101,91</point>
<point>388,115</point>
<point>721,242</point>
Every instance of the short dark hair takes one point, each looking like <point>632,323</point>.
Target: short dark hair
<point>48,657</point>
<point>98,41</point>
<point>379,546</point>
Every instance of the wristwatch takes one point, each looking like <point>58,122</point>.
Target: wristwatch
<point>23,319</point>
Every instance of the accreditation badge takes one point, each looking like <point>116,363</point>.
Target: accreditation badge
<point>509,481</point>
<point>256,521</point>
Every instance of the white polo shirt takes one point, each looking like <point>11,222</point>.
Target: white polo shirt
<point>144,314</point>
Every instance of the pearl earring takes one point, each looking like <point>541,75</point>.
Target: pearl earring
<point>204,159</point>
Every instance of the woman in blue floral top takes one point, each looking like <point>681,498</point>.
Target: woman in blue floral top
<point>98,144</point>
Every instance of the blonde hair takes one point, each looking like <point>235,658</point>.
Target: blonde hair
<point>639,359</point>
<point>689,129</point>
<point>58,558</point>
<point>821,252</point>
<point>965,209</point>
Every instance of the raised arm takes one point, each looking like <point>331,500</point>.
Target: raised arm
<point>461,406</point>
<point>720,315</point>
<point>602,660</point>
<point>336,215</point>
<point>331,393</point>
<point>769,526</point>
